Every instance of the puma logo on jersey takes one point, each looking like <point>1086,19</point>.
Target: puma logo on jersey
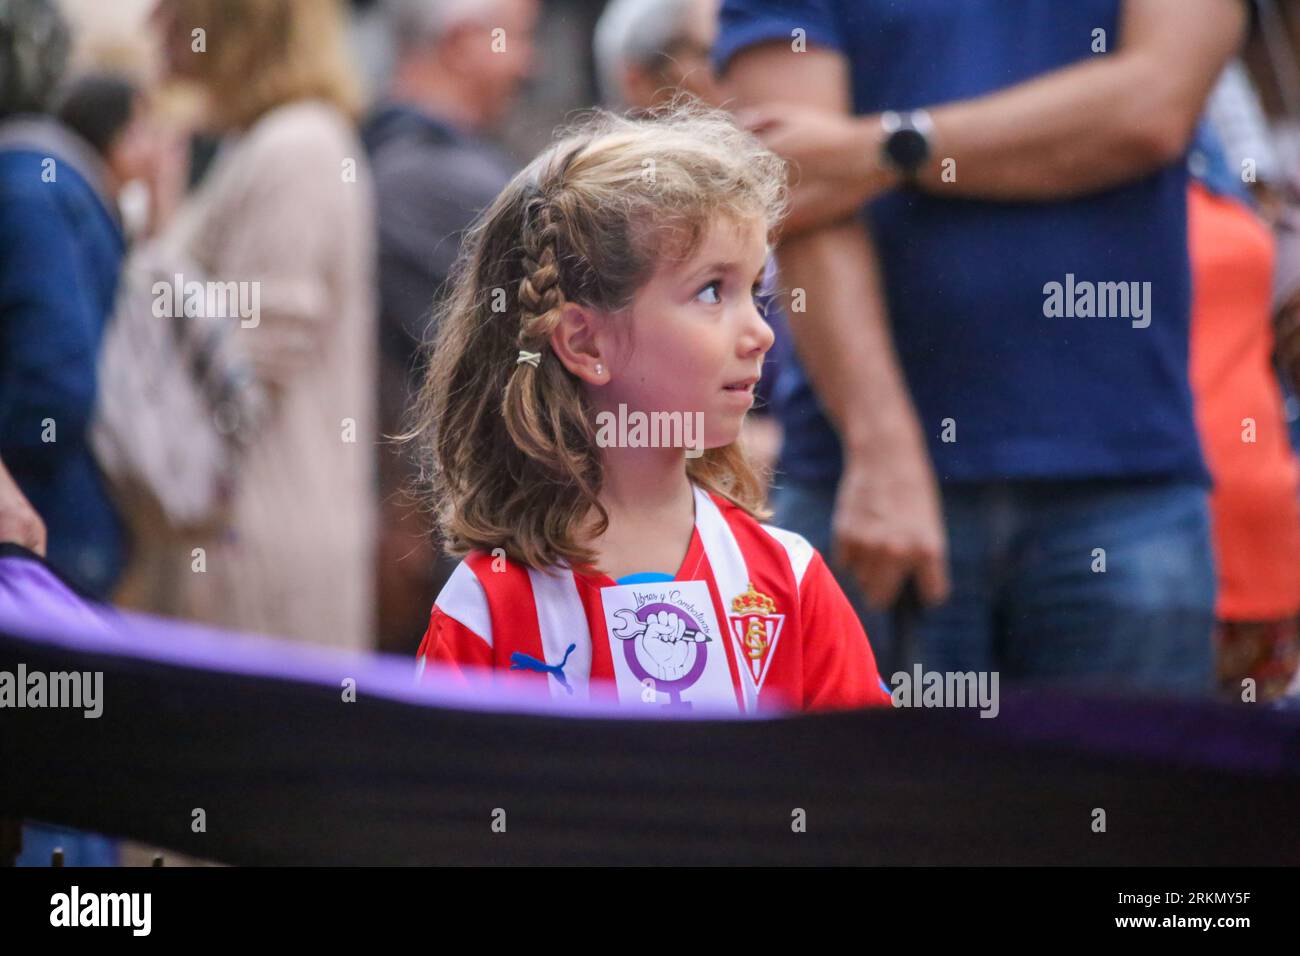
<point>519,661</point>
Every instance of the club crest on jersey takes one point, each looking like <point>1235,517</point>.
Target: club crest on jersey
<point>755,627</point>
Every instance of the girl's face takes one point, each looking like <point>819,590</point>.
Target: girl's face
<point>697,335</point>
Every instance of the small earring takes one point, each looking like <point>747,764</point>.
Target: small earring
<point>600,369</point>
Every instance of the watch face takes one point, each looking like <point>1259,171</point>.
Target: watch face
<point>908,149</point>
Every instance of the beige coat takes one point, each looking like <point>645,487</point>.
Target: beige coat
<point>289,206</point>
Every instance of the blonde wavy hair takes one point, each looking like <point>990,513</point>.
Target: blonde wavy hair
<point>508,450</point>
<point>261,54</point>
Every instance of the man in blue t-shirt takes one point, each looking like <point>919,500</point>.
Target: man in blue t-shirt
<point>993,401</point>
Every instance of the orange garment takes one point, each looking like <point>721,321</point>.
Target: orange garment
<point>1254,504</point>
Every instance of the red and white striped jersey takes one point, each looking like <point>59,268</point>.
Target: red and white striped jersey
<point>752,616</point>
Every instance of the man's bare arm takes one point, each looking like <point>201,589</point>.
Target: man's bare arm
<point>843,339</point>
<point>1083,128</point>
<point>1098,123</point>
<point>887,521</point>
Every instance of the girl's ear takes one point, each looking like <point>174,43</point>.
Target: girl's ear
<point>576,341</point>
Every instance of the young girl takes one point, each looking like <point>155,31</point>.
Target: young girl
<point>595,360</point>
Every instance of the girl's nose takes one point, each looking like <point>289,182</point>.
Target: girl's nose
<point>758,337</point>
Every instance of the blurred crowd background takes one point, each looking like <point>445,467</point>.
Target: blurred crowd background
<point>330,154</point>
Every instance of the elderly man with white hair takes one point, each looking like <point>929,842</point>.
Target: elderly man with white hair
<point>459,65</point>
<point>648,50</point>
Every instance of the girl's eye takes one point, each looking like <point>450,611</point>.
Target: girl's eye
<point>713,286</point>
<point>760,299</point>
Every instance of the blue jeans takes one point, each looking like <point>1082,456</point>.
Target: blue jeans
<point>1029,598</point>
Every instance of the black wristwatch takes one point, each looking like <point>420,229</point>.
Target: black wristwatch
<point>906,146</point>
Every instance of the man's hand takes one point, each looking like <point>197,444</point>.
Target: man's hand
<point>888,525</point>
<point>835,159</point>
<point>19,521</point>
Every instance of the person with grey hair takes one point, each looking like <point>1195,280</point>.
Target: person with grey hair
<point>61,250</point>
<point>648,50</point>
<point>419,22</point>
<point>459,66</point>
